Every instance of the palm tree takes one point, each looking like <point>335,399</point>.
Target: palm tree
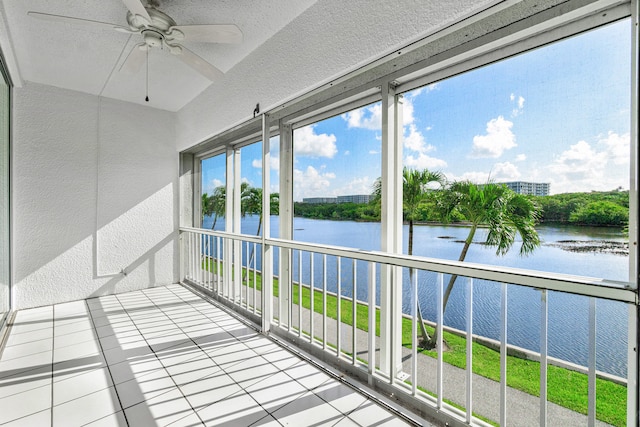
<point>416,190</point>
<point>216,204</point>
<point>504,213</point>
<point>206,205</point>
<point>251,203</point>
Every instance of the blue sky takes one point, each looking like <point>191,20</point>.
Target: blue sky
<point>558,114</point>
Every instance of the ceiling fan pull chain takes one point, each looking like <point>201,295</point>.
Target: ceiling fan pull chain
<point>147,97</point>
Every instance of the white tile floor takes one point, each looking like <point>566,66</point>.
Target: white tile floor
<point>163,356</point>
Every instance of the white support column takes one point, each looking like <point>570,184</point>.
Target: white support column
<point>633,359</point>
<point>237,216</point>
<point>286,218</point>
<point>391,226</point>
<point>187,195</point>
<point>267,250</point>
<point>228,224</point>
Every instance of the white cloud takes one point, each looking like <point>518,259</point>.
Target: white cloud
<point>497,139</point>
<point>274,162</point>
<point>519,100</point>
<point>521,158</point>
<point>371,117</point>
<point>365,118</point>
<point>617,147</point>
<point>374,152</point>
<point>308,143</point>
<point>311,183</point>
<point>423,161</point>
<point>505,172</point>
<point>362,185</point>
<point>346,153</point>
<point>475,177</point>
<point>212,185</point>
<point>584,167</point>
<point>407,112</point>
<point>415,141</point>
<point>500,172</point>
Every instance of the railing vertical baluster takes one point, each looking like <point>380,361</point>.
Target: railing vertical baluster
<point>324,301</point>
<point>244,272</point>
<point>591,413</point>
<point>205,260</point>
<point>193,257</point>
<point>279,309</point>
<point>186,247</point>
<point>290,289</point>
<point>414,332</point>
<point>218,266</point>
<point>199,255</point>
<point>255,282</point>
<point>299,293</point>
<point>212,264</point>
<point>439,329</point>
<point>208,264</point>
<point>544,325</point>
<point>354,307</point>
<point>212,261</point>
<point>372,321</point>
<point>469,372</point>
<point>339,323</point>
<point>189,260</point>
<point>503,356</point>
<point>311,297</point>
<point>187,254</point>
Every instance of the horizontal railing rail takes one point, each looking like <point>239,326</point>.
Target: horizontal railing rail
<point>579,285</point>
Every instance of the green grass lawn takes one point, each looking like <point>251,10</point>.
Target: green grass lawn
<point>564,387</point>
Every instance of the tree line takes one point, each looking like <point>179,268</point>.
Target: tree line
<point>608,209</point>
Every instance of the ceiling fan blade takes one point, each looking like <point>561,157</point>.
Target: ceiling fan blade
<point>213,33</point>
<point>76,21</point>
<point>197,63</point>
<point>137,8</point>
<point>135,59</point>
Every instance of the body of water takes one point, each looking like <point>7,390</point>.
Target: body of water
<point>559,252</point>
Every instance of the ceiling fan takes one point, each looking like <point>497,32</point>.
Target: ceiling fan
<point>159,30</point>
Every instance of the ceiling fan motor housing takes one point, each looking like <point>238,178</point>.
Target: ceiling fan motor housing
<point>160,21</point>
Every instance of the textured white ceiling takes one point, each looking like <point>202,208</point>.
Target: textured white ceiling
<point>88,60</point>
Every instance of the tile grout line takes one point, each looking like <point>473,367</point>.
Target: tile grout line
<point>370,396</point>
<point>105,362</point>
<point>156,355</point>
<point>242,389</point>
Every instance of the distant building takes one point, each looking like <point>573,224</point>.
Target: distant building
<point>532,188</point>
<point>318,200</point>
<point>356,198</point>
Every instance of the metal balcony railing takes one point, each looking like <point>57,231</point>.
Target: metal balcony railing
<point>320,298</point>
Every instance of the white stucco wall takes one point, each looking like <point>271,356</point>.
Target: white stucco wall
<point>94,193</point>
<point>326,41</point>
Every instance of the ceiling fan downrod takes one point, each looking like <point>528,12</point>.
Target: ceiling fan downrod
<point>147,97</point>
